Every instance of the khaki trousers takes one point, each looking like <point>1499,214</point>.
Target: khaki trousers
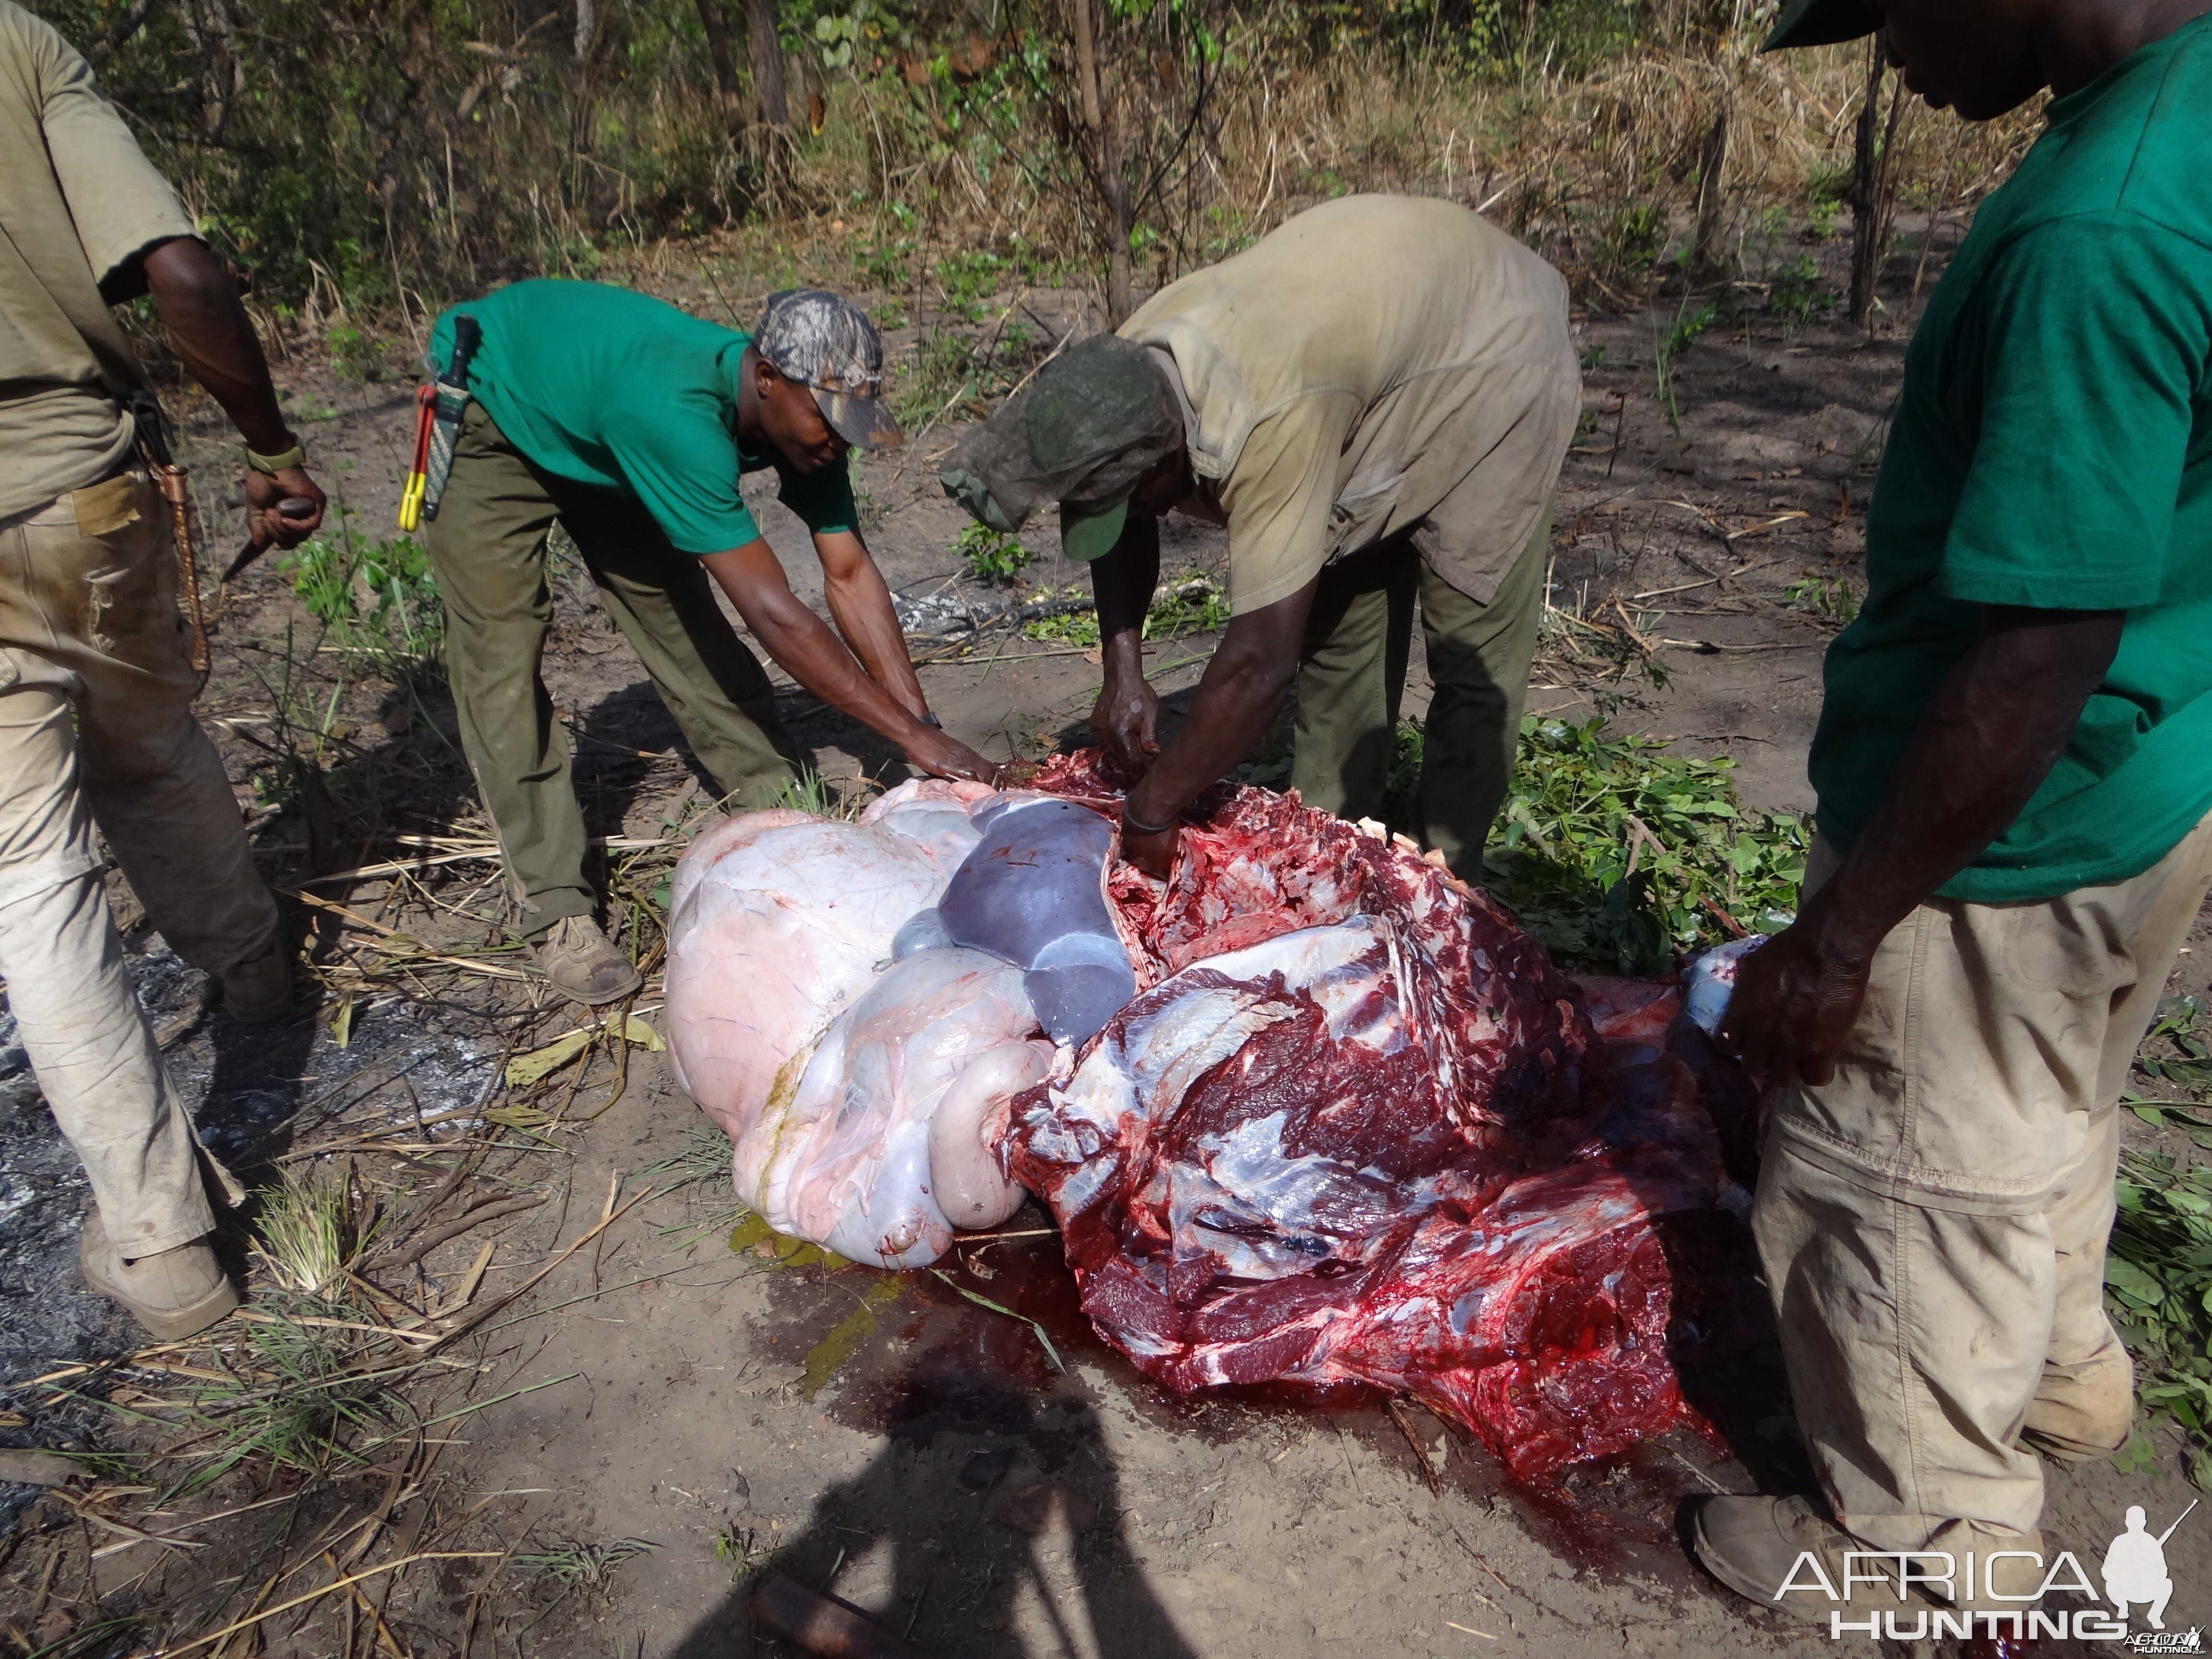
<point>1933,1221</point>
<point>488,548</point>
<point>1351,677</point>
<point>96,689</point>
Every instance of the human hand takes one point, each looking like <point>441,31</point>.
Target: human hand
<point>1795,1003</point>
<point>1153,853</point>
<point>267,497</point>
<point>943,756</point>
<point>1126,718</point>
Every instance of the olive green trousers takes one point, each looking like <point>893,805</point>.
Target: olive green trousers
<point>487,546</point>
<point>1351,678</point>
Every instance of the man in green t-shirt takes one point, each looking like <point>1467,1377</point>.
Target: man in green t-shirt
<point>632,422</point>
<point>2015,771</point>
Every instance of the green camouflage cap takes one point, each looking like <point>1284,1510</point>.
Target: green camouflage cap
<point>1096,421</point>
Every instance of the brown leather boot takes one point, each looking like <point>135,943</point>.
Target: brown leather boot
<point>582,962</point>
<point>174,1294</point>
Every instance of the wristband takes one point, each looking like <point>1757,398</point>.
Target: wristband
<point>1133,824</point>
<point>282,461</point>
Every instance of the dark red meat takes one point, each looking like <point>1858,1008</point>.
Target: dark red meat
<point>1359,1128</point>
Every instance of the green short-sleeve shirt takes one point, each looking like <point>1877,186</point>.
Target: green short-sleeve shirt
<point>620,391</point>
<point>2053,449</point>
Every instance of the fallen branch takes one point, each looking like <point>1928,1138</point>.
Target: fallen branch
<point>489,1210</point>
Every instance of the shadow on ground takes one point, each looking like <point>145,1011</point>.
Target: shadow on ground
<point>992,1515</point>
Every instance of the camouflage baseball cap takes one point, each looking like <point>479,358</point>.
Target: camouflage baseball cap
<point>827,342</point>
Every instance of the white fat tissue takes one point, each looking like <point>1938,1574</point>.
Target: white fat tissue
<point>885,1127</point>
<point>818,1011</point>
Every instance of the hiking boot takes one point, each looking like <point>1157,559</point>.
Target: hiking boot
<point>583,963</point>
<point>259,989</point>
<point>1755,1546</point>
<point>2078,1419</point>
<point>173,1294</point>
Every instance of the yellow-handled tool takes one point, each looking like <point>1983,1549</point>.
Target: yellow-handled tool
<point>418,471</point>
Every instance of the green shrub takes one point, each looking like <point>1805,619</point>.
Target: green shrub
<point>1617,852</point>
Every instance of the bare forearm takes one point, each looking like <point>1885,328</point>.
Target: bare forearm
<point>207,324</point>
<point>860,605</point>
<point>1986,743</point>
<point>1122,583</point>
<point>1240,694</point>
<point>803,646</point>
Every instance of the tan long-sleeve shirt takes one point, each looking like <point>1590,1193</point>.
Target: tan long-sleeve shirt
<point>1378,363</point>
<point>78,200</point>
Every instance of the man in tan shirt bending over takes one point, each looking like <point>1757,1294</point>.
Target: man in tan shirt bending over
<point>1374,401</point>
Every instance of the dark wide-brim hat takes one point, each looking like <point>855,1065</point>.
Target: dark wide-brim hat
<point>827,343</point>
<point>1095,422</point>
<point>1821,23</point>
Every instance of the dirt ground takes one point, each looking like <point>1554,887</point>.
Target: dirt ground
<point>887,1439</point>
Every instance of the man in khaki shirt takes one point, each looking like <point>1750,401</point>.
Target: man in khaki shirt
<point>1374,401</point>
<point>96,680</point>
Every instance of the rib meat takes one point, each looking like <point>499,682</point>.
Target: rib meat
<point>1359,1128</point>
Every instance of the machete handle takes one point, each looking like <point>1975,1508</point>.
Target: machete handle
<point>292,507</point>
<point>468,335</point>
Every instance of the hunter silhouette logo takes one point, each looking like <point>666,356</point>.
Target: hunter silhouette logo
<point>1948,1596</point>
<point>2135,1567</point>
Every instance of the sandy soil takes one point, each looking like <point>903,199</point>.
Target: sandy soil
<point>887,1439</point>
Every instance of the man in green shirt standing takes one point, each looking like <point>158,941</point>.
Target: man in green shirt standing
<point>2015,771</point>
<point>631,423</point>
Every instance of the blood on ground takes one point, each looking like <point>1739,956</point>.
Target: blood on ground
<point>935,1364</point>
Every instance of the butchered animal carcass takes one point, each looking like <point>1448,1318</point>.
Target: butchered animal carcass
<point>1309,1111</point>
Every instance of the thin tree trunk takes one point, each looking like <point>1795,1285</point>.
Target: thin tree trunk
<point>767,63</point>
<point>1106,148</point>
<point>588,26</point>
<point>1874,186</point>
<point>723,60</point>
<point>128,24</point>
<point>1712,195</point>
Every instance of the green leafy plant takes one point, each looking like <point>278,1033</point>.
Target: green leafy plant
<point>1631,238</point>
<point>377,600</point>
<point>992,556</point>
<point>741,1547</point>
<point>946,371</point>
<point>1830,596</point>
<point>1680,337</point>
<point>1615,852</point>
<point>969,279</point>
<point>356,354</point>
<point>2158,1288</point>
<point>1797,295</point>
<point>1068,627</point>
<point>1193,605</point>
